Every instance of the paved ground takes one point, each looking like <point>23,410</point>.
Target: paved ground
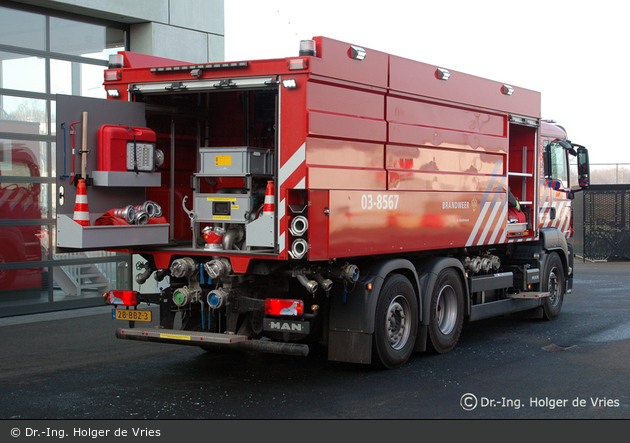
<point>70,366</point>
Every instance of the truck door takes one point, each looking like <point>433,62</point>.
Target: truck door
<point>555,210</point>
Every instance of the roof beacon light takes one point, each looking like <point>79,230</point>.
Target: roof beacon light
<point>357,53</point>
<point>508,90</point>
<point>116,61</point>
<point>307,47</point>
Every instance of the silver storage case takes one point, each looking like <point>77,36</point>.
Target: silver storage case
<point>236,161</point>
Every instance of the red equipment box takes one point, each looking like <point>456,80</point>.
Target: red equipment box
<point>116,146</point>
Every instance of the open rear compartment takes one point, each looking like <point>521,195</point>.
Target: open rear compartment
<point>219,157</point>
<point>213,160</point>
<point>521,180</point>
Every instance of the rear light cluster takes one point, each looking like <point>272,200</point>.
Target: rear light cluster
<point>112,75</point>
<point>273,306</point>
<point>123,298</point>
<point>284,307</point>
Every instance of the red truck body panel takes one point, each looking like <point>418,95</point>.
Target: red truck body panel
<point>399,159</point>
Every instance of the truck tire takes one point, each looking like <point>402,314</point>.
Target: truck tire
<point>554,282</point>
<point>396,324</point>
<point>446,315</point>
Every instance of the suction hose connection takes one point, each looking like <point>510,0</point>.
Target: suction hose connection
<point>310,285</point>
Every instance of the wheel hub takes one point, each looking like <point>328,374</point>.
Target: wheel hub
<point>446,310</point>
<point>397,322</point>
<point>553,285</point>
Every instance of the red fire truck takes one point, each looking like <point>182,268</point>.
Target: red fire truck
<point>342,197</point>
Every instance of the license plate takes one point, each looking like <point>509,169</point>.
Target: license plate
<point>131,315</point>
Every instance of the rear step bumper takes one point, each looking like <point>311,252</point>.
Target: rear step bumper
<point>211,340</point>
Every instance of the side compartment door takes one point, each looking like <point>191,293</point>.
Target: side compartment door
<point>105,190</point>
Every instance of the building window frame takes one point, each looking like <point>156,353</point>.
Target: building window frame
<point>48,176</point>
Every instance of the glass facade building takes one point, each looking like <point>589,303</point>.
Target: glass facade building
<point>44,53</point>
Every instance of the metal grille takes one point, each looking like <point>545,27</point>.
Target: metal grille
<point>602,222</point>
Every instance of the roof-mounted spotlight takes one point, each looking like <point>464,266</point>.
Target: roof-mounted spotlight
<point>442,74</point>
<point>507,90</point>
<point>357,53</point>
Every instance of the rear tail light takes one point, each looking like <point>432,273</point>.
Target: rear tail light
<point>125,298</point>
<point>284,307</point>
<point>112,75</point>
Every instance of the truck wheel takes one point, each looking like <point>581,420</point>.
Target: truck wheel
<point>554,283</point>
<point>446,315</point>
<point>396,322</point>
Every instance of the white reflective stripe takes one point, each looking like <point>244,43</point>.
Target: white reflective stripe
<point>499,227</point>
<point>281,214</point>
<point>81,215</point>
<point>292,164</point>
<point>301,184</point>
<point>480,219</point>
<point>281,209</point>
<point>281,241</point>
<point>484,203</point>
<point>495,209</point>
<point>81,199</point>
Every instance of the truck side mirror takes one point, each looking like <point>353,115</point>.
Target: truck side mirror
<point>583,167</point>
<point>547,160</point>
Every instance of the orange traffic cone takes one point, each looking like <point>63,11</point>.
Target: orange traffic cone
<point>81,211</point>
<point>268,208</point>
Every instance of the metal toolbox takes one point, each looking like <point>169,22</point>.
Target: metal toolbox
<point>234,208</point>
<point>236,161</point>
